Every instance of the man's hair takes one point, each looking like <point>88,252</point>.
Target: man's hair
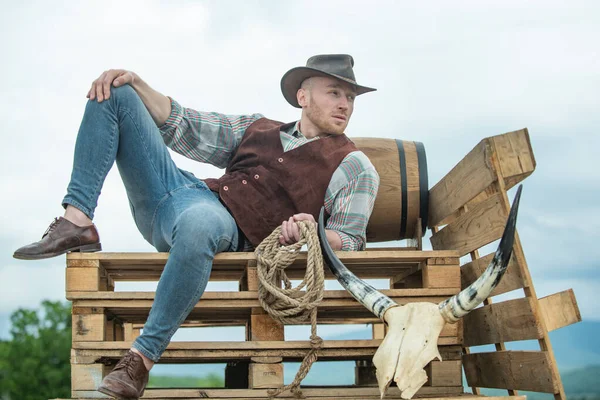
<point>307,83</point>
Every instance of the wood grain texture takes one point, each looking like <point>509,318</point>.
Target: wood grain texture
<point>320,393</point>
<point>515,156</point>
<point>264,376</point>
<point>511,280</point>
<point>559,309</point>
<point>501,322</point>
<point>518,370</point>
<point>465,181</point>
<point>190,352</point>
<point>481,225</point>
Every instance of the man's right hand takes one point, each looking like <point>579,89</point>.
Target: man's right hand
<point>101,87</point>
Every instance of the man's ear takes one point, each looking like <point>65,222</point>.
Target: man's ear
<point>302,97</point>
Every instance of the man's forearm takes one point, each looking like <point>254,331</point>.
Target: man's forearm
<point>157,104</point>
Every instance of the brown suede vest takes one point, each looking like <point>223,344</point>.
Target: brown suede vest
<point>263,185</point>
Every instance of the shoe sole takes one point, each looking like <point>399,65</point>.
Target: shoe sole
<point>105,390</point>
<point>115,395</point>
<point>86,248</point>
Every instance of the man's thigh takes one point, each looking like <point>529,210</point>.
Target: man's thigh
<point>192,217</point>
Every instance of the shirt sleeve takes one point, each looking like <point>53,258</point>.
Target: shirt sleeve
<point>350,199</point>
<point>208,137</point>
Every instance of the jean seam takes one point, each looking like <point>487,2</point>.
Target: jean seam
<point>143,141</point>
<point>107,161</point>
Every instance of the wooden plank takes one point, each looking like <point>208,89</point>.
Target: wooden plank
<point>321,393</point>
<point>465,181</point>
<point>501,322</point>
<point>444,373</point>
<point>518,370</point>
<point>227,351</point>
<point>88,376</point>
<point>511,280</point>
<point>264,376</point>
<point>240,259</point>
<point>514,155</point>
<point>481,225</point>
<point>559,309</point>
<point>441,276</point>
<point>88,327</point>
<point>82,279</point>
<point>263,327</point>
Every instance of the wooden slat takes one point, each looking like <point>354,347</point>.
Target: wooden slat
<point>321,393</point>
<point>476,172</point>
<point>441,276</point>
<point>444,373</point>
<point>466,180</point>
<point>226,306</point>
<point>262,376</point>
<point>560,309</point>
<point>511,280</point>
<point>501,322</point>
<point>192,352</point>
<point>519,370</point>
<point>241,258</point>
<point>515,156</point>
<point>481,225</point>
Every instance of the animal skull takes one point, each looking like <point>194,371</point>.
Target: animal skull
<point>414,329</point>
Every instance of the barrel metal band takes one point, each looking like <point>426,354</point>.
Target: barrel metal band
<point>423,186</point>
<point>404,188</point>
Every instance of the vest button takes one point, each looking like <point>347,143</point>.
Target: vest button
<point>244,181</point>
<point>225,188</point>
<point>280,160</point>
<point>256,176</point>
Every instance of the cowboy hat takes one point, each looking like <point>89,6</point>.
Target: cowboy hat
<point>334,65</point>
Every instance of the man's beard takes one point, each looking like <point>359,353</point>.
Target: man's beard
<point>321,121</point>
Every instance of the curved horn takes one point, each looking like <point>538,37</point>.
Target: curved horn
<point>459,305</point>
<point>366,294</point>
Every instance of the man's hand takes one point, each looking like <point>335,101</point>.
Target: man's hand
<point>101,87</point>
<point>290,232</point>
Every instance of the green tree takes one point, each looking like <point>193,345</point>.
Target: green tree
<point>35,363</point>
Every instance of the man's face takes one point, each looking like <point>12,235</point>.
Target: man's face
<point>328,103</point>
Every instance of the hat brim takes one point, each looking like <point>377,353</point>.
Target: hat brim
<point>291,81</point>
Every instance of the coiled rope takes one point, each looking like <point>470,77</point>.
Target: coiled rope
<point>289,304</point>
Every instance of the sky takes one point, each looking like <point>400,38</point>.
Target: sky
<point>448,74</point>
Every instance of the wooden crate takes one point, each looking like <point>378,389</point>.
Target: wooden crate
<point>105,322</point>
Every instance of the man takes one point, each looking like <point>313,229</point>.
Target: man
<point>276,174</point>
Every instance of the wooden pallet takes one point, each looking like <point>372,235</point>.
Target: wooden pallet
<point>105,322</point>
<point>468,210</point>
<point>320,393</point>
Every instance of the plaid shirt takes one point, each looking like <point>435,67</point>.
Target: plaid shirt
<point>213,138</point>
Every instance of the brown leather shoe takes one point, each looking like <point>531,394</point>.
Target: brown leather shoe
<point>128,380</point>
<point>61,237</point>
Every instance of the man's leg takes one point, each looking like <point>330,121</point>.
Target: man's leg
<point>118,129</point>
<point>194,226</point>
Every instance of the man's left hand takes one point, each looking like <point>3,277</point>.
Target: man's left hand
<point>290,232</point>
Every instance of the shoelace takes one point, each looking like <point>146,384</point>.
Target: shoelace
<point>52,226</point>
<point>128,363</point>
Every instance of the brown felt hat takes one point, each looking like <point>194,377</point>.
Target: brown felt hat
<point>334,65</point>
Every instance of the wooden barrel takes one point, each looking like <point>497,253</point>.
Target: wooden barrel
<point>403,190</point>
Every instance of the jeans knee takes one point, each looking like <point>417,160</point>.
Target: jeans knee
<point>124,93</point>
<point>202,230</point>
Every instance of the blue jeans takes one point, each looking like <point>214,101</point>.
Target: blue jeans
<point>174,210</point>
